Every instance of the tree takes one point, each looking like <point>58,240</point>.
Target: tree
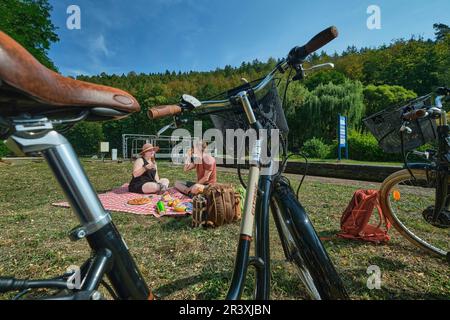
<point>28,22</point>
<point>377,98</point>
<point>315,113</point>
<point>85,138</point>
<point>324,77</point>
<point>321,109</point>
<point>441,31</point>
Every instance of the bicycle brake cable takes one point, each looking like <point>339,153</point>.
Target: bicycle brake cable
<point>402,143</point>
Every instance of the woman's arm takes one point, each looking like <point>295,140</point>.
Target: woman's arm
<point>205,177</point>
<point>188,165</point>
<point>138,168</point>
<point>157,174</point>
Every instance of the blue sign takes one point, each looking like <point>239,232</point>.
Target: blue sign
<point>342,136</point>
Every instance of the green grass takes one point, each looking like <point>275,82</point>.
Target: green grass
<point>183,263</point>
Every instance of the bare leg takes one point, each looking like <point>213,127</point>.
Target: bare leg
<point>164,182</point>
<point>181,186</point>
<point>150,187</point>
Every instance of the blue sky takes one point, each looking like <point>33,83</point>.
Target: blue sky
<point>119,36</point>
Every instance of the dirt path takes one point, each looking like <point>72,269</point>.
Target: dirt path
<point>345,182</point>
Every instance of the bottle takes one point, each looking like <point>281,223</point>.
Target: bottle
<point>160,207</point>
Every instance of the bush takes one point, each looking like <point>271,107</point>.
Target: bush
<point>365,147</point>
<point>316,148</point>
<point>4,151</point>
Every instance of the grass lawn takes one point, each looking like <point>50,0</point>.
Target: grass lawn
<point>183,263</point>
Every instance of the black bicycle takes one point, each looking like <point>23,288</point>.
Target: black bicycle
<point>34,102</point>
<point>38,105</point>
<point>416,199</point>
<point>258,106</point>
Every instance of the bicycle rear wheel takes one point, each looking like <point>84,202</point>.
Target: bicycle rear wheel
<point>304,249</point>
<point>405,201</point>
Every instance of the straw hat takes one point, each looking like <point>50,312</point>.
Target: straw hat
<point>148,147</point>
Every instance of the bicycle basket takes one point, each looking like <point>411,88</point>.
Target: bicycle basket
<point>267,107</point>
<point>385,126</point>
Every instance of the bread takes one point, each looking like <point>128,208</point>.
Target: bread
<point>139,201</point>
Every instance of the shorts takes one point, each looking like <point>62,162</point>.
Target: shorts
<point>190,184</point>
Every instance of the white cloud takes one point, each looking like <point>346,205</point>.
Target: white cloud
<point>98,45</point>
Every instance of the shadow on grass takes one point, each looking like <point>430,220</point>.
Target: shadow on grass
<point>176,224</point>
<point>213,285</point>
<point>332,235</point>
<point>360,289</point>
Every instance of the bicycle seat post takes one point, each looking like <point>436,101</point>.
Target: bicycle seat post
<point>31,136</point>
<point>38,136</point>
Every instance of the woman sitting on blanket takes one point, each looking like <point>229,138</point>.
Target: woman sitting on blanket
<point>145,173</point>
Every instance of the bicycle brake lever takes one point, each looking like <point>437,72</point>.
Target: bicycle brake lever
<point>318,67</point>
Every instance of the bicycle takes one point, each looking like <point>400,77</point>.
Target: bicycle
<point>416,199</point>
<point>37,106</point>
<point>242,109</point>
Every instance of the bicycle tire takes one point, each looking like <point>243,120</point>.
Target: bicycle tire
<point>396,181</point>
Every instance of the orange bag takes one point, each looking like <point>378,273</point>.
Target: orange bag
<point>355,219</point>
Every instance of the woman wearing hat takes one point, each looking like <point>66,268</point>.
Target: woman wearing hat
<point>145,173</point>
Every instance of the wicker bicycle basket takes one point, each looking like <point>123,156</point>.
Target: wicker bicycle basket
<point>385,126</point>
<point>267,107</point>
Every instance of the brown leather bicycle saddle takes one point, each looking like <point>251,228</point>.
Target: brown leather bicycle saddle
<point>26,86</point>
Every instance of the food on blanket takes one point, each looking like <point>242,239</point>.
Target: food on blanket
<point>160,207</point>
<point>167,197</point>
<point>139,201</point>
<point>180,208</point>
<point>174,203</point>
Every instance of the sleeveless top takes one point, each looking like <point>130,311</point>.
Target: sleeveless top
<point>137,182</point>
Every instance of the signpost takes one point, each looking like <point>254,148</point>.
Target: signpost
<point>342,136</point>
<point>104,149</point>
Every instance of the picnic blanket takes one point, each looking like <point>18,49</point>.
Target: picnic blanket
<point>116,200</point>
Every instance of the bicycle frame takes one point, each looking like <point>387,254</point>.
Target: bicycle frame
<point>441,167</point>
<point>262,195</point>
<point>111,256</point>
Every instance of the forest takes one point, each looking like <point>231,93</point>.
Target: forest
<point>364,81</point>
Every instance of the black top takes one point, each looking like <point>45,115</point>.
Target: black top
<point>137,182</point>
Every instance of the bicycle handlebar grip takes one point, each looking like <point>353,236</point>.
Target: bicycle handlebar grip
<point>298,54</point>
<point>163,111</point>
<point>11,284</point>
<point>321,39</point>
<point>415,114</point>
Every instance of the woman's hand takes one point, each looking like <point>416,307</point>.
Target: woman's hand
<point>150,166</point>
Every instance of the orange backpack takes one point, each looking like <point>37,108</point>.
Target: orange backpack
<point>355,219</point>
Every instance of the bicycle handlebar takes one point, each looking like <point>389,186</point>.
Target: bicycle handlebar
<point>163,111</point>
<point>295,57</point>
<point>298,54</point>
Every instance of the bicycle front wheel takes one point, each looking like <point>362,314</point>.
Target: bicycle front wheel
<point>303,248</point>
<point>407,202</point>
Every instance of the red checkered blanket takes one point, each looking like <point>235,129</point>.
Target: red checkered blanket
<point>116,200</point>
